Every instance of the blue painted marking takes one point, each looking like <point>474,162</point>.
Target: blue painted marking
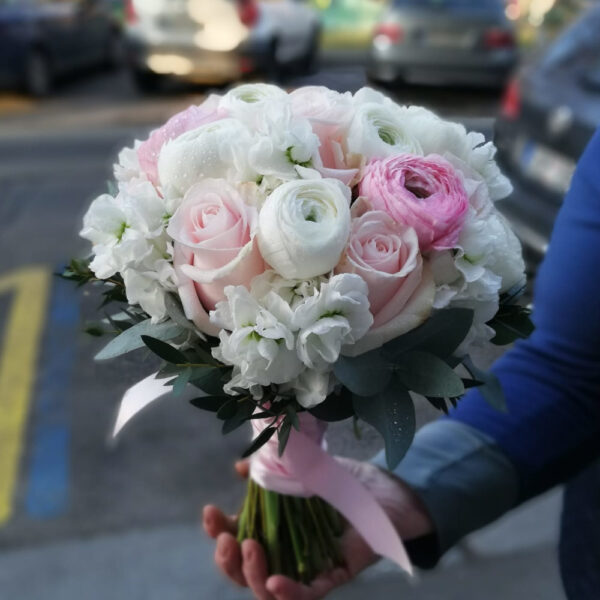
<point>48,483</point>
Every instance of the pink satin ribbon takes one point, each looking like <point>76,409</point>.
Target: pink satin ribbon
<point>306,469</point>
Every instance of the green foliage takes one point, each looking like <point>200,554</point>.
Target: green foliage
<point>364,375</point>
<point>261,439</point>
<point>164,350</point>
<point>392,414</point>
<point>428,375</point>
<point>512,322</point>
<point>491,390</point>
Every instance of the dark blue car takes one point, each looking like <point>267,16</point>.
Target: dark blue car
<point>41,40</point>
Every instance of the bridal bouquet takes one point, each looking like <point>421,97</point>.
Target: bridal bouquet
<point>305,258</point>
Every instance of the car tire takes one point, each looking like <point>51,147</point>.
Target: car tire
<point>38,77</point>
<point>146,81</point>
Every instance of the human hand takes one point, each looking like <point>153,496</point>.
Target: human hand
<point>246,564</point>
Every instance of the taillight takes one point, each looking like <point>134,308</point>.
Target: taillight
<point>511,101</point>
<point>498,38</point>
<point>131,16</point>
<point>248,11</point>
<point>391,31</point>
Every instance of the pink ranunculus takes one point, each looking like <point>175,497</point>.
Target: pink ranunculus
<point>189,119</point>
<point>425,193</point>
<point>386,255</point>
<point>213,230</point>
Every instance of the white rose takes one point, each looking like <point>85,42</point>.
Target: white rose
<point>322,105</point>
<point>337,314</point>
<point>303,227</point>
<point>217,150</point>
<point>379,130</point>
<point>254,340</point>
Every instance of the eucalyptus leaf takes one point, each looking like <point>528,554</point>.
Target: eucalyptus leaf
<point>164,350</point>
<point>491,390</point>
<point>336,407</point>
<point>429,375</point>
<point>263,437</point>
<point>131,339</point>
<point>176,313</point>
<point>181,382</point>
<point>210,403</point>
<point>441,334</point>
<point>228,409</point>
<point>392,414</point>
<point>211,381</point>
<point>364,375</point>
<point>243,413</point>
<point>284,435</point>
<point>510,324</point>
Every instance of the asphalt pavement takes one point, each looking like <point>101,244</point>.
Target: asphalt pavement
<point>83,517</point>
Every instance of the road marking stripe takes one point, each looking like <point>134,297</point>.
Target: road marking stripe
<point>18,360</point>
<point>48,483</point>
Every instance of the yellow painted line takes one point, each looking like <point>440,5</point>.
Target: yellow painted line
<point>18,361</point>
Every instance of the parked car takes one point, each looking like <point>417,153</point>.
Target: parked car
<point>41,40</point>
<point>443,42</point>
<point>549,113</point>
<point>217,41</point>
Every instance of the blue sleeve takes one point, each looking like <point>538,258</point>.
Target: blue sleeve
<point>552,380</point>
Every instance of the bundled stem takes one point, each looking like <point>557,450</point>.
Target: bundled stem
<point>300,535</point>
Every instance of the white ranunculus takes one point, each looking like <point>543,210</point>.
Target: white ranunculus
<point>247,102</point>
<point>379,130</point>
<point>437,136</point>
<point>128,166</point>
<point>322,105</point>
<point>292,291</point>
<point>217,150</point>
<point>303,227</point>
<point>254,340</point>
<point>337,314</point>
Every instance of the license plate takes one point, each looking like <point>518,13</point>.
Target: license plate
<point>547,166</point>
<point>447,39</point>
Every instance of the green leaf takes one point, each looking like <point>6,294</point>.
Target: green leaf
<point>164,350</point>
<point>176,313</point>
<point>441,334</point>
<point>284,435</point>
<point>263,437</point>
<point>428,375</point>
<point>181,382</point>
<point>392,414</point>
<point>131,339</point>
<point>95,330</point>
<point>228,409</point>
<point>510,324</point>
<point>243,413</point>
<point>212,381</point>
<point>491,390</point>
<point>336,407</point>
<point>364,375</point>
<point>210,403</point>
<point>292,417</point>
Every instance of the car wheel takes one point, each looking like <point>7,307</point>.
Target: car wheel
<point>38,74</point>
<point>146,81</point>
<point>114,55</point>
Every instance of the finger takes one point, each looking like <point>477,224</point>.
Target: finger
<point>242,468</point>
<point>228,558</point>
<point>254,568</point>
<point>357,553</point>
<point>284,588</point>
<point>215,522</point>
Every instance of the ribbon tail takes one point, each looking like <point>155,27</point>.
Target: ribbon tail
<point>325,477</point>
<point>138,397</point>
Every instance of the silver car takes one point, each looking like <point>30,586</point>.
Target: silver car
<point>442,42</point>
<point>217,41</point>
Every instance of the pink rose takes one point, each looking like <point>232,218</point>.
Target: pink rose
<point>329,114</point>
<point>189,119</point>
<point>386,255</point>
<point>425,193</point>
<point>213,230</point>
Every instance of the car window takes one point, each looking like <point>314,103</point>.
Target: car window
<point>578,48</point>
<point>469,5</point>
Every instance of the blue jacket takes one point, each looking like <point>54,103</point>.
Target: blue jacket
<point>478,463</point>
